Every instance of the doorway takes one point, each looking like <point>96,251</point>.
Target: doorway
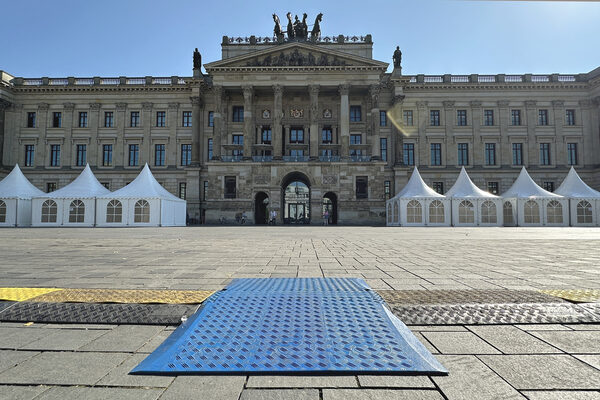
<point>296,199</point>
<point>261,201</point>
<point>330,204</point>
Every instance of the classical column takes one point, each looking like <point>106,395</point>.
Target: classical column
<point>277,116</point>
<point>396,140</point>
<point>504,151</point>
<point>173,121</point>
<point>119,147</point>
<point>590,124</point>
<point>476,122</point>
<point>217,122</point>
<point>42,123</point>
<point>285,137</point>
<point>196,129</point>
<point>560,146</point>
<point>148,121</point>
<point>344,121</point>
<point>94,123</point>
<point>314,124</point>
<point>373,123</point>
<point>68,129</point>
<point>3,106</point>
<point>451,153</point>
<point>532,148</point>
<point>424,145</point>
<point>249,129</point>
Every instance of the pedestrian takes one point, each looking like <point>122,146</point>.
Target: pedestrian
<point>274,217</point>
<point>271,217</point>
<point>326,217</point>
<point>244,217</point>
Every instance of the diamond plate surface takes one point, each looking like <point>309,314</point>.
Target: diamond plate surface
<point>5,304</point>
<point>576,295</point>
<point>415,297</point>
<point>143,314</point>
<point>125,296</point>
<point>22,294</point>
<point>289,327</point>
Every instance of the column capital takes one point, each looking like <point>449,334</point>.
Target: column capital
<point>400,99</point>
<point>278,89</point>
<point>422,104</point>
<point>587,104</point>
<point>475,104</point>
<point>147,106</point>
<point>344,89</point>
<point>448,104</point>
<point>596,101</point>
<point>95,106</point>
<point>314,89</point>
<point>4,104</point>
<point>121,106</point>
<point>69,106</point>
<point>530,103</point>
<point>248,93</point>
<point>503,103</point>
<point>173,106</point>
<point>558,103</point>
<point>43,106</point>
<point>196,101</point>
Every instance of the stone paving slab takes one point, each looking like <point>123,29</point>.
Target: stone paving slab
<point>10,358</point>
<point>562,395</point>
<point>511,340</point>
<point>370,394</point>
<point>281,394</point>
<point>21,392</point>
<point>572,341</point>
<point>459,343</point>
<point>99,393</point>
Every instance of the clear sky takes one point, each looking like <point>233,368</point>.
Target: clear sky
<point>59,38</point>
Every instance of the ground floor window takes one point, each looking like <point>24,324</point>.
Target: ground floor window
<point>141,212</point>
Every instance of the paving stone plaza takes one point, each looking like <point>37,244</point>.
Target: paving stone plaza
<point>418,267</point>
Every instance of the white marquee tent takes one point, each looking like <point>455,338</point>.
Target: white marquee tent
<point>583,200</point>
<point>418,205</point>
<point>15,199</point>
<point>144,202</point>
<point>72,205</point>
<point>530,205</point>
<point>472,206</point>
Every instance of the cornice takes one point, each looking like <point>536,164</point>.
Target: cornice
<point>344,68</point>
<point>98,89</point>
<point>496,86</point>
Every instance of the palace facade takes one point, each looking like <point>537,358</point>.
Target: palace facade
<point>299,125</point>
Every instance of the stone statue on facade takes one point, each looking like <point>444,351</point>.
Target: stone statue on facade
<point>316,30</point>
<point>304,27</point>
<point>197,59</point>
<point>290,26</point>
<point>397,57</point>
<point>277,30</point>
<point>298,30</point>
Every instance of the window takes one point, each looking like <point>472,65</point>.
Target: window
<point>436,212</point>
<point>211,118</point>
<point>382,118</point>
<point>266,135</point>
<point>408,153</point>
<point>205,190</point>
<point>543,117</point>
<point>387,189</point>
<point>83,119</point>
<point>31,119</point>
<point>515,117</point>
<point>355,114</point>
<point>134,155</point>
<point>383,148</point>
<point>2,211</point>
<point>106,185</point>
<point>362,191</point>
<point>134,120</point>
<point>239,140</point>
<point>182,190</point>
<point>414,212</point>
<point>554,212</point>
<point>108,119</point>
<point>238,114</point>
<point>438,187</point>
<point>296,135</point>
<point>548,185</point>
<point>296,153</point>
<point>492,187</point>
<point>114,212</point>
<point>517,152</point>
<point>81,155</point>
<point>434,117</point>
<point>463,154</point>
<point>544,153</point>
<point>29,155</point>
<point>488,212</point>
<point>141,212</point>
<point>186,154</point>
<point>159,155</point>
<point>56,119</point>
<point>326,135</point>
<point>408,117</point>
<point>436,154</point>
<point>106,155</point>
<point>49,211</point>
<point>50,187</point>
<point>187,119</point>
<point>531,213</point>
<point>230,187</point>
<point>570,117</point>
<point>572,153</point>
<point>76,211</point>
<point>355,139</point>
<point>55,155</point>
<point>210,149</point>
<point>461,117</point>
<point>161,119</point>
<point>584,212</point>
<point>488,117</point>
<point>507,210</point>
<point>490,154</point>
<point>327,152</point>
<point>466,212</point>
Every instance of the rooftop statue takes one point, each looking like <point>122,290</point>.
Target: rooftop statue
<point>277,30</point>
<point>397,57</point>
<point>290,26</point>
<point>316,30</point>
<point>297,29</point>
<point>197,59</point>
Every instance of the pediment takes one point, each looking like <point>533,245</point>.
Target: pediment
<point>295,56</point>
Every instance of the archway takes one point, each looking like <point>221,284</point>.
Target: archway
<point>295,197</point>
<point>330,204</point>
<point>261,200</point>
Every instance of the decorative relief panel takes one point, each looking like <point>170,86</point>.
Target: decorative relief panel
<point>261,179</point>
<point>329,180</point>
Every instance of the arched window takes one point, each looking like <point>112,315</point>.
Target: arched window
<point>488,212</point>
<point>436,212</point>
<point>414,212</point>
<point>389,213</point>
<point>508,213</point>
<point>76,211</point>
<point>142,212</point>
<point>584,212</point>
<point>466,212</point>
<point>114,211</point>
<point>554,212</point>
<point>49,211</point>
<point>2,211</point>
<point>531,212</point>
<point>396,213</point>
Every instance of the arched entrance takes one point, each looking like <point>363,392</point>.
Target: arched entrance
<point>261,201</point>
<point>296,199</point>
<point>330,204</point>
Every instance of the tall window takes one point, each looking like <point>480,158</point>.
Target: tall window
<point>29,155</point>
<point>492,187</point>
<point>134,155</point>
<point>31,119</point>
<point>230,187</point>
<point>182,190</point>
<point>414,212</point>
<point>466,212</point>
<point>488,117</point>
<point>382,118</point>
<point>134,120</point>
<point>211,118</point>
<point>554,213</point>
<point>106,155</point>
<point>81,155</point>
<point>572,153</point>
<point>114,212</point>
<point>76,211</point>
<point>387,189</point>
<point>49,211</point>
<point>436,212</point>
<point>584,212</point>
<point>362,191</point>
<point>56,119</point>
<point>490,154</point>
<point>543,117</point>
<point>408,153</point>
<point>186,119</point>
<point>296,135</point>
<point>548,185</point>
<point>517,153</point>
<point>161,119</point>
<point>515,117</point>
<point>438,187</point>
<point>238,114</point>
<point>141,212</point>
<point>383,148</point>
<point>488,212</point>
<point>2,212</point>
<point>408,117</point>
<point>106,185</point>
<point>239,140</point>
<point>463,154</point>
<point>355,114</point>
<point>108,119</point>
<point>570,117</point>
<point>434,117</point>
<point>205,190</point>
<point>50,187</point>
<point>461,117</point>
<point>186,154</point>
<point>55,155</point>
<point>210,149</point>
<point>266,135</point>
<point>436,154</point>
<point>159,155</point>
<point>544,153</point>
<point>83,119</point>
<point>296,153</point>
<point>326,135</point>
<point>355,139</point>
<point>531,214</point>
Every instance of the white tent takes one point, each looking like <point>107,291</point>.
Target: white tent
<point>530,205</point>
<point>418,205</point>
<point>144,202</point>
<point>583,200</point>
<point>15,199</point>
<point>72,205</point>
<point>472,206</point>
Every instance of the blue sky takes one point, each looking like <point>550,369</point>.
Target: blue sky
<point>61,38</point>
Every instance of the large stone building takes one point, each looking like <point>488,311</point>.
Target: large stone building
<point>299,122</point>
